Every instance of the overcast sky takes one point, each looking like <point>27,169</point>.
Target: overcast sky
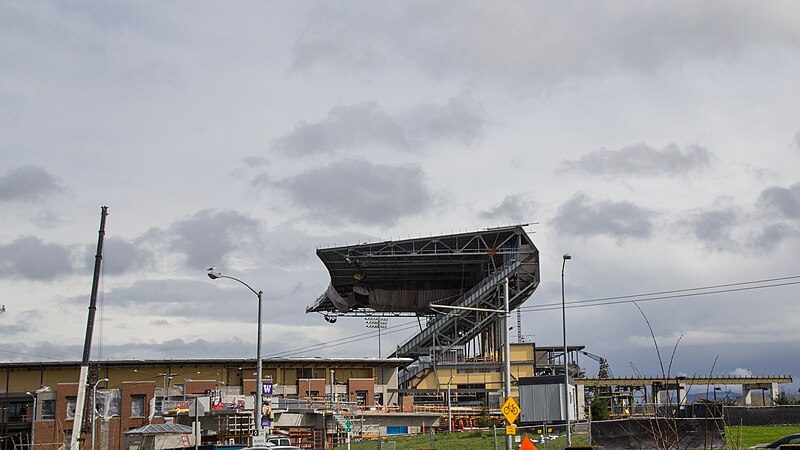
<point>658,143</point>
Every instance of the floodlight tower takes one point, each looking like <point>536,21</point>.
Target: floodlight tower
<point>380,323</point>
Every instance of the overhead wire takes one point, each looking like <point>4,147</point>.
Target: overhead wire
<point>679,293</point>
<point>345,340</point>
<point>602,301</point>
<point>687,292</point>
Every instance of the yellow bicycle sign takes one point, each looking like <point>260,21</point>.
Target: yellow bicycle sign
<point>510,410</point>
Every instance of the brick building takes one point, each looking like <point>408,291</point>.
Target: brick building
<point>139,393</point>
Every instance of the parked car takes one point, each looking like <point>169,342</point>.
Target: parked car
<point>278,441</point>
<point>790,439</point>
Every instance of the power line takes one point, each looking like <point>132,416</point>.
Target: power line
<point>345,340</point>
<point>602,301</point>
<point>679,293</point>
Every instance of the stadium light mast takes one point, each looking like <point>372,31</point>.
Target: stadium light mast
<point>259,388</point>
<point>380,323</point>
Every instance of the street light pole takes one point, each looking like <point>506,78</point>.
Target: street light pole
<point>94,405</point>
<point>566,359</point>
<point>449,411</point>
<point>506,342</point>
<point>215,275</point>
<point>507,354</point>
<point>33,419</point>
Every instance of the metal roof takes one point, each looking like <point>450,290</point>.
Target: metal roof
<point>404,277</point>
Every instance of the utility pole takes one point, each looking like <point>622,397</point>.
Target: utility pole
<point>165,392</point>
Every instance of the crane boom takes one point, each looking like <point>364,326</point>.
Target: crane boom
<point>87,345</point>
<point>605,370</point>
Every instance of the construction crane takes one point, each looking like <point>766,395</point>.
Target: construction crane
<point>605,371</point>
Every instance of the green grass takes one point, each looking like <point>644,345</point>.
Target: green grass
<point>468,440</point>
<point>736,438</point>
<point>744,437</point>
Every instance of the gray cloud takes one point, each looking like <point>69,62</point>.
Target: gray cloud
<point>360,191</point>
<point>642,160</point>
<point>713,227</point>
<point>345,127</point>
<point>783,201</point>
<point>513,207</point>
<point>28,183</point>
<point>460,118</point>
<point>581,216</point>
<point>119,256</point>
<point>31,258</point>
<point>354,127</point>
<point>24,322</point>
<point>516,43</point>
<point>773,235</point>
<point>211,237</point>
<point>166,349</point>
<point>796,141</point>
<point>178,298</point>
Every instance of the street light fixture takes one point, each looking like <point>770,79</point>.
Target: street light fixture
<point>216,275</point>
<point>94,405</point>
<point>566,359</point>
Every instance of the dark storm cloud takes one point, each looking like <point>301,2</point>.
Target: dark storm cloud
<point>785,202</point>
<point>120,256</point>
<point>642,160</point>
<point>28,184</point>
<point>514,207</point>
<point>582,216</point>
<point>360,191</point>
<point>477,40</point>
<point>355,127</point>
<point>346,127</point>
<point>31,258</point>
<point>212,236</point>
<point>714,227</point>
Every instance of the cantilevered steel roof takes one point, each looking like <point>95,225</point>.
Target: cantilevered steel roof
<point>404,277</point>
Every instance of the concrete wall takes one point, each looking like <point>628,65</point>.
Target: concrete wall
<point>659,433</point>
<point>754,416</point>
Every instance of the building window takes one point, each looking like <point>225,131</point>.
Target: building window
<point>16,411</point>
<point>159,406</point>
<point>361,397</point>
<point>71,407</point>
<point>137,405</point>
<point>48,409</point>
